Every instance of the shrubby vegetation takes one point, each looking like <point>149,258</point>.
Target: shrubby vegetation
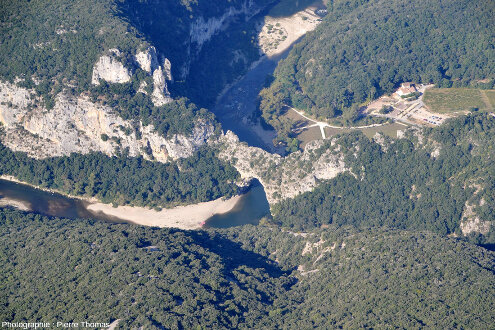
<point>126,180</point>
<point>55,269</point>
<point>405,186</point>
<point>366,48</point>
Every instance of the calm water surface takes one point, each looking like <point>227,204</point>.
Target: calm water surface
<point>51,204</point>
<point>249,210</point>
<point>251,207</point>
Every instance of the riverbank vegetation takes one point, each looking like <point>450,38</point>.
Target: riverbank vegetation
<point>123,180</point>
<point>249,277</point>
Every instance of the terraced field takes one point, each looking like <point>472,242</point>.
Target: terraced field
<point>452,100</point>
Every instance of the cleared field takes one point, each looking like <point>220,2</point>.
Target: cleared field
<point>330,131</point>
<point>308,135</point>
<point>297,119</point>
<point>448,100</point>
<point>388,129</point>
<point>490,94</point>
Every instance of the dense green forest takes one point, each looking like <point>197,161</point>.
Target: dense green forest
<point>249,277</point>
<point>125,180</point>
<point>366,48</point>
<point>400,184</point>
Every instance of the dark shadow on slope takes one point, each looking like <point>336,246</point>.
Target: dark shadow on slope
<point>490,247</point>
<point>234,255</point>
<point>200,71</point>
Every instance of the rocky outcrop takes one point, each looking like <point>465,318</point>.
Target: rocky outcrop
<point>167,70</point>
<point>147,59</point>
<point>470,220</point>
<point>76,124</point>
<point>203,29</point>
<point>160,95</point>
<point>474,225</point>
<point>284,177</point>
<point>110,69</point>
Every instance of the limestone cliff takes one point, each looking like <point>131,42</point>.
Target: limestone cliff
<point>110,69</point>
<point>470,220</point>
<point>203,29</point>
<point>76,124</point>
<point>284,177</point>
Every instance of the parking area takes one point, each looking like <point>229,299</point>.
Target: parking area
<point>410,110</point>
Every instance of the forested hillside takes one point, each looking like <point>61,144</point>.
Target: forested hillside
<point>426,181</point>
<point>253,277</point>
<point>364,49</point>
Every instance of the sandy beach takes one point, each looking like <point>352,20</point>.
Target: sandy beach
<point>182,217</point>
<point>21,205</point>
<point>280,33</point>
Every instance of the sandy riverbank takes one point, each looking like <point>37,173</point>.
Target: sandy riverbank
<point>182,217</point>
<point>279,33</point>
<point>21,205</point>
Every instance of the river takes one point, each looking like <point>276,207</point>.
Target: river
<point>236,107</point>
<point>249,209</point>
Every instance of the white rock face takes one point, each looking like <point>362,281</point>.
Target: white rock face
<point>283,177</point>
<point>77,125</point>
<point>201,30</point>
<point>167,70</point>
<point>160,94</point>
<point>475,225</point>
<point>471,222</point>
<point>14,96</point>
<point>147,59</point>
<point>110,69</point>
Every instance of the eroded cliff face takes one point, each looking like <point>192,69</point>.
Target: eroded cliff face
<point>284,177</point>
<point>76,124</point>
<point>471,221</point>
<point>110,69</point>
<point>202,29</point>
